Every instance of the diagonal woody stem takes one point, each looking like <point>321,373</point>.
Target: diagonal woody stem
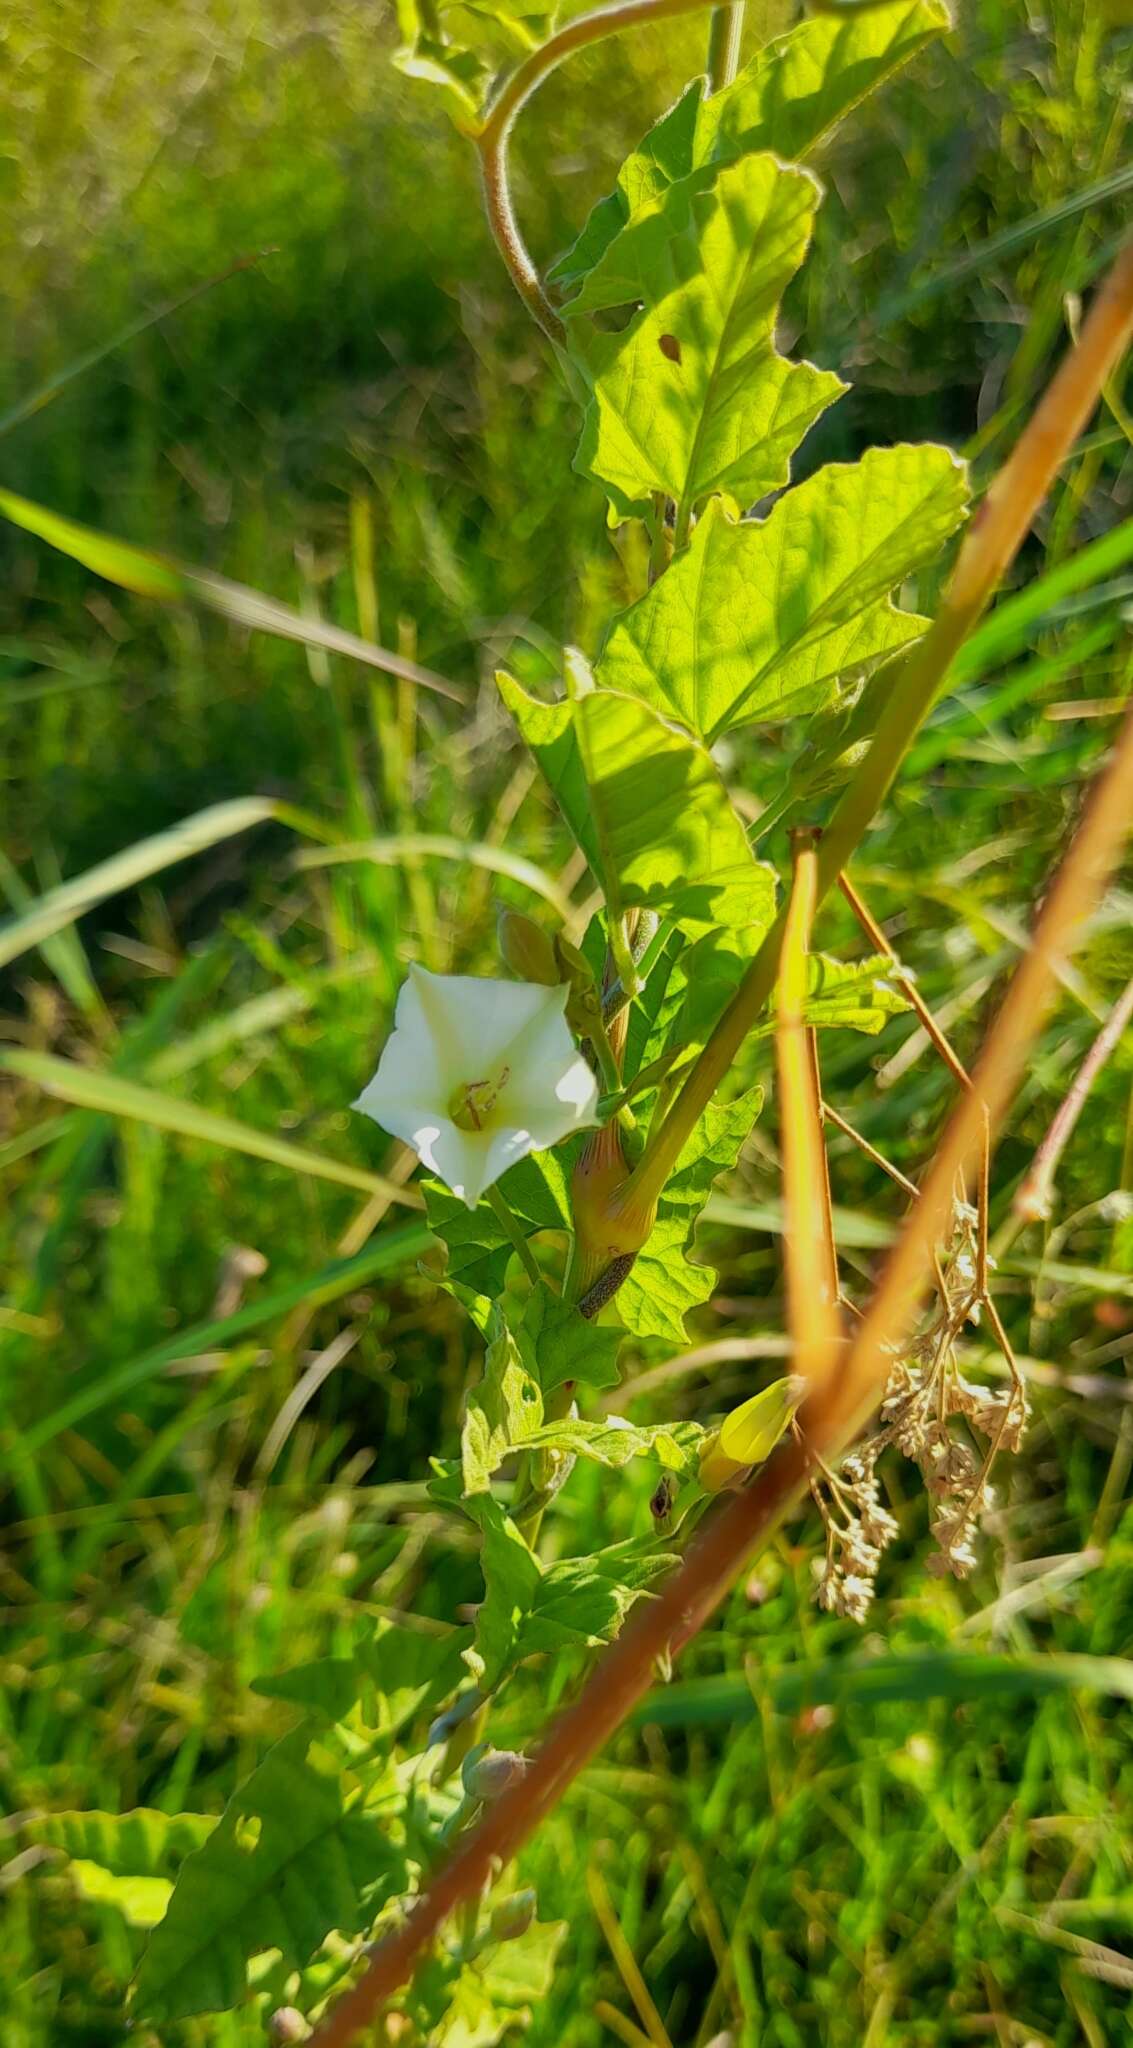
<point>993,540</point>
<point>662,1626</point>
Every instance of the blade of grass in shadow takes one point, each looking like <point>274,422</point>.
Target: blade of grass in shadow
<point>151,575</point>
<point>392,1250</point>
<point>26,408</point>
<point>95,1088</point>
<point>405,846</point>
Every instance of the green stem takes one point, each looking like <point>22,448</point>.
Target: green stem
<point>725,34</point>
<point>508,1222</point>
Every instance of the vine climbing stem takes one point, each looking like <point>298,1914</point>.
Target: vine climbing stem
<point>493,138</point>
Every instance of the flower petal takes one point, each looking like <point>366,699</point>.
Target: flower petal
<point>550,1115</point>
<point>472,1020</point>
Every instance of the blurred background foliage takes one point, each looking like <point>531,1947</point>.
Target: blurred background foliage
<point>347,360</point>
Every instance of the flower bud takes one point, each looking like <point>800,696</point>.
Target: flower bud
<point>526,949</point>
<point>512,1917</point>
<point>584,1004</point>
<point>287,2025</point>
<point>488,1772</point>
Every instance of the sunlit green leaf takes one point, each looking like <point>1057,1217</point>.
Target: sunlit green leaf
<point>504,1408</point>
<point>760,618</point>
<point>787,99</point>
<point>293,1855</point>
<point>613,1441</point>
<point>692,397</point>
<point>648,808</point>
<point>567,1347</point>
<point>663,1284</point>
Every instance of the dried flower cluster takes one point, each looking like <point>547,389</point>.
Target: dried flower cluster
<point>925,1393</point>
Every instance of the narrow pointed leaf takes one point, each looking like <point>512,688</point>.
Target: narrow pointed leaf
<point>152,575</point>
<point>95,1088</point>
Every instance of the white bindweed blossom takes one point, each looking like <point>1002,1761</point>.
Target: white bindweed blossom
<point>477,1073</point>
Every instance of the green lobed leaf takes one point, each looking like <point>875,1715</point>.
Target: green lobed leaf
<point>660,160</point>
<point>293,1856</point>
<point>142,1843</point>
<point>397,1672</point>
<point>142,1901</point>
<point>852,995</point>
<point>529,1608</point>
<point>663,1285</point>
<point>692,397</point>
<point>478,1247</point>
<point>758,619</point>
<point>799,87</point>
<point>787,99</point>
<point>648,808</point>
<point>459,2002</point>
<point>504,1408</point>
<point>613,1441</point>
<point>567,1347</point>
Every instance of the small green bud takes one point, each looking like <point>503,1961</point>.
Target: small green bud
<point>512,1917</point>
<point>526,949</point>
<point>584,1004</point>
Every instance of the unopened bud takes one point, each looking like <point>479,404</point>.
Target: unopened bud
<point>584,1004</point>
<point>512,1917</point>
<point>488,1772</point>
<point>287,2025</point>
<point>526,949</point>
<point>717,1470</point>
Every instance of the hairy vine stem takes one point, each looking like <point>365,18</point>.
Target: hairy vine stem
<point>662,1626</point>
<point>494,137</point>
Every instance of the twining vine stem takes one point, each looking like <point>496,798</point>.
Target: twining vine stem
<point>841,1400</point>
<point>494,137</point>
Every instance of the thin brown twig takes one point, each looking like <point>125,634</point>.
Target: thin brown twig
<point>1034,1195</point>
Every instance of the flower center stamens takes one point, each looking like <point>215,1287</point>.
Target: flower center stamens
<point>471,1103</point>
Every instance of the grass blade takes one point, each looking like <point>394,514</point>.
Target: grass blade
<point>150,575</point>
<point>95,1088</point>
<point>391,1250</point>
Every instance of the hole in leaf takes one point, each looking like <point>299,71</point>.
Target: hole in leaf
<point>249,1828</point>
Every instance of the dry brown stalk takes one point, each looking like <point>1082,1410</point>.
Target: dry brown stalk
<point>1035,1193</point>
<point>660,1628</point>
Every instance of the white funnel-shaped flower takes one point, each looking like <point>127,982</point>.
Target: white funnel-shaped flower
<point>476,1074</point>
